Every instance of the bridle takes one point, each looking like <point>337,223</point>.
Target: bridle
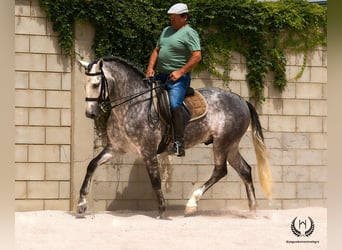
<point>104,100</point>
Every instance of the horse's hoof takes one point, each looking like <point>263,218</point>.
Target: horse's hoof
<point>81,208</point>
<point>163,217</point>
<point>190,210</point>
<point>162,214</point>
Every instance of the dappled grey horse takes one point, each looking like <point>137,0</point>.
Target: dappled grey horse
<point>116,85</point>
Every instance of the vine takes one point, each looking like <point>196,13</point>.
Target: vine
<point>263,32</point>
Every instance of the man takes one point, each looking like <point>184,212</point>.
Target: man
<point>177,52</point>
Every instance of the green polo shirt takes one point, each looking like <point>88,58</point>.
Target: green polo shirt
<point>176,47</point>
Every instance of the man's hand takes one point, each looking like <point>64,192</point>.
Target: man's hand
<point>195,58</point>
<point>175,75</point>
<point>150,73</point>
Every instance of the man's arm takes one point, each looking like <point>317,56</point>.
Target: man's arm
<point>152,62</point>
<point>195,58</point>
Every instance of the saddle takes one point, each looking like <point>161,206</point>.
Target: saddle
<point>194,103</point>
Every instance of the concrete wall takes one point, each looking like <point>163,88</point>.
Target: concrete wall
<point>55,142</point>
<point>42,113</point>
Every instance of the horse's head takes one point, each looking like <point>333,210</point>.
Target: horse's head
<point>111,80</point>
<point>96,88</point>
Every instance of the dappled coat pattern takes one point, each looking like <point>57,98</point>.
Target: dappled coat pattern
<point>115,84</point>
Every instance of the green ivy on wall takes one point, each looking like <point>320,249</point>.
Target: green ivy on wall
<point>261,31</point>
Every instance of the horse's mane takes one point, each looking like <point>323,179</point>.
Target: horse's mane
<point>125,62</point>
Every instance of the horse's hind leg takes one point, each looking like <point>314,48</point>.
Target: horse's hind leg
<point>104,156</point>
<point>219,172</point>
<point>244,171</point>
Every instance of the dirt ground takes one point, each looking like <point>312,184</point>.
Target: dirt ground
<point>267,229</point>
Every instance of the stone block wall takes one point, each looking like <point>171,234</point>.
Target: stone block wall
<point>55,142</point>
<point>42,113</point>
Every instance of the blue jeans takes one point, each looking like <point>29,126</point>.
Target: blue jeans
<point>176,89</point>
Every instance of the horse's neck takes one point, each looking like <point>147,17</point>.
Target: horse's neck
<point>129,86</point>
<point>126,86</point>
<point>125,78</point>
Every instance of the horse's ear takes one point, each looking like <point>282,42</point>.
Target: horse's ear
<point>100,63</point>
<point>83,64</point>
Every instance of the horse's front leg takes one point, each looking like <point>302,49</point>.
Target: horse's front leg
<point>154,174</point>
<point>104,156</point>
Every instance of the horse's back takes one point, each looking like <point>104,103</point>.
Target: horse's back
<point>222,100</point>
<point>228,118</point>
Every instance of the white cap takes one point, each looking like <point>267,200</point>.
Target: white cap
<point>178,8</point>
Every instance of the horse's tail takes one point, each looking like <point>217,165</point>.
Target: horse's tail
<point>265,176</point>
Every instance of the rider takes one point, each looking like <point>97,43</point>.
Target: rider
<point>177,52</point>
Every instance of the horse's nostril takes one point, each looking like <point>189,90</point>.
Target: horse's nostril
<point>90,115</point>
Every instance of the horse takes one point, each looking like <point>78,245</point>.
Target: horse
<point>116,85</point>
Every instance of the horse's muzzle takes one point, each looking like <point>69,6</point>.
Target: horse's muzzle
<point>92,114</point>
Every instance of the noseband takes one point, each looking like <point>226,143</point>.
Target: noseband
<point>103,98</point>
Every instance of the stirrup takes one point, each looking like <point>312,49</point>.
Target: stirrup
<point>178,148</point>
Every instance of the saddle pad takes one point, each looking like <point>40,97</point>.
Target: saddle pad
<point>197,105</point>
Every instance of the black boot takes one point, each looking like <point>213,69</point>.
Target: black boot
<point>180,117</point>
